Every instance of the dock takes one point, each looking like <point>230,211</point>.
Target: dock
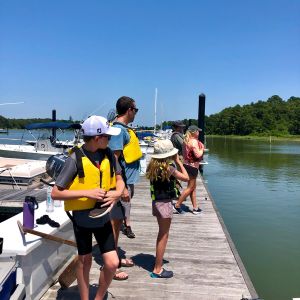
<point>200,252</point>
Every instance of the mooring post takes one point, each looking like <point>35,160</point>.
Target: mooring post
<point>201,116</point>
<point>53,129</point>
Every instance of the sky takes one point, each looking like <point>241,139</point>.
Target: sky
<point>79,57</point>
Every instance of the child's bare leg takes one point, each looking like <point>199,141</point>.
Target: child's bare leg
<point>161,242</point>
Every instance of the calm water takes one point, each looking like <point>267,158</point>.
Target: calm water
<point>256,186</point>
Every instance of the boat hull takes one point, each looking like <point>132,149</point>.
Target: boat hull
<point>40,259</point>
<point>15,171</point>
<point>24,152</point>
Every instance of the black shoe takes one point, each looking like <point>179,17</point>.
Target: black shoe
<point>45,219</point>
<point>128,232</point>
<point>163,274</point>
<point>99,212</point>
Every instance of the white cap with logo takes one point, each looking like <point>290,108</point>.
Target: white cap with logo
<point>97,125</point>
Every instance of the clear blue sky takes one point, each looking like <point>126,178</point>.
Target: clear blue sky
<point>79,57</point>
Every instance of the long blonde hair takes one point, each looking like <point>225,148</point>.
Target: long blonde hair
<point>187,136</point>
<point>158,168</point>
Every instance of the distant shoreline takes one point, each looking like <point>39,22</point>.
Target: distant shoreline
<point>289,138</point>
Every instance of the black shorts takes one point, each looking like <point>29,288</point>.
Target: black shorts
<point>103,235</point>
<point>192,171</point>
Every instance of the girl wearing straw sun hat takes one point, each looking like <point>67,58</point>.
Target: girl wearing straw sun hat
<point>163,176</point>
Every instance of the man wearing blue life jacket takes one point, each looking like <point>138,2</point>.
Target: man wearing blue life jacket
<point>127,151</point>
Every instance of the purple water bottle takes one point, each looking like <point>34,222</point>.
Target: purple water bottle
<point>29,205</point>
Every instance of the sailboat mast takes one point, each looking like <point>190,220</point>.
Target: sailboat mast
<point>155,104</point>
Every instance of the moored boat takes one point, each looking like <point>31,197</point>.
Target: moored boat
<point>42,147</point>
<point>16,172</point>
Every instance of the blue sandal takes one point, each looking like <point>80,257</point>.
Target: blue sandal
<point>163,274</point>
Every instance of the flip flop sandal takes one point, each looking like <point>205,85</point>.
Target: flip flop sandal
<point>127,263</point>
<point>52,223</point>
<point>43,220</point>
<point>118,272</point>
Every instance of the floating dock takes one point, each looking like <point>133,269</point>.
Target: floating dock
<point>200,252</point>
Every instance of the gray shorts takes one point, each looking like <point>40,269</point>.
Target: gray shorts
<point>162,209</point>
<point>121,209</point>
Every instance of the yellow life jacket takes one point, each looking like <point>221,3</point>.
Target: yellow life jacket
<point>95,178</point>
<point>132,150</point>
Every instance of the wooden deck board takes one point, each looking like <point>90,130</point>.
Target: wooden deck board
<point>199,253</point>
<point>15,198</point>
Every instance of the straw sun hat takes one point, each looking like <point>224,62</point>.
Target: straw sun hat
<point>163,149</point>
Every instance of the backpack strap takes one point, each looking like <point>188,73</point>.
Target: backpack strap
<point>125,126</point>
<point>122,124</point>
<point>79,155</point>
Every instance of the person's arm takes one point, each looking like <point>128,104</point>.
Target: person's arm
<point>180,173</point>
<point>198,152</point>
<point>114,195</point>
<point>59,193</point>
<point>125,194</point>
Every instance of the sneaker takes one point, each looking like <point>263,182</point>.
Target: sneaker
<point>196,211</point>
<point>177,210</point>
<point>128,232</point>
<point>99,212</point>
<point>163,274</point>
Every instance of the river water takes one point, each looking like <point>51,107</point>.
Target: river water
<point>256,187</point>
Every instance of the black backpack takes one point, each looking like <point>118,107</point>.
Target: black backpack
<point>55,164</point>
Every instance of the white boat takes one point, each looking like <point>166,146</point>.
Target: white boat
<point>40,259</point>
<point>3,130</point>
<point>43,147</point>
<point>147,150</point>
<point>15,172</point>
<point>11,279</point>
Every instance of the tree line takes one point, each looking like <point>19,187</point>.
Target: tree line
<point>20,123</point>
<point>274,117</point>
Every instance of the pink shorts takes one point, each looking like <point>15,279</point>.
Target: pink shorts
<point>162,209</point>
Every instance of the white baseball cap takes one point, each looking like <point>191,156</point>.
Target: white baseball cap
<point>97,125</point>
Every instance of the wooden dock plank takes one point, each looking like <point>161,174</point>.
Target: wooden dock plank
<point>198,252</point>
<point>15,198</point>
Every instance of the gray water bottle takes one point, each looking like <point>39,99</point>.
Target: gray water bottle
<point>49,201</point>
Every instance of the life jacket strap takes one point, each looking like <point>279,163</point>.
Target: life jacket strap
<point>79,156</point>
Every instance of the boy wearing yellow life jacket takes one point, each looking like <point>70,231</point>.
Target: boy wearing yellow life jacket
<point>90,176</point>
